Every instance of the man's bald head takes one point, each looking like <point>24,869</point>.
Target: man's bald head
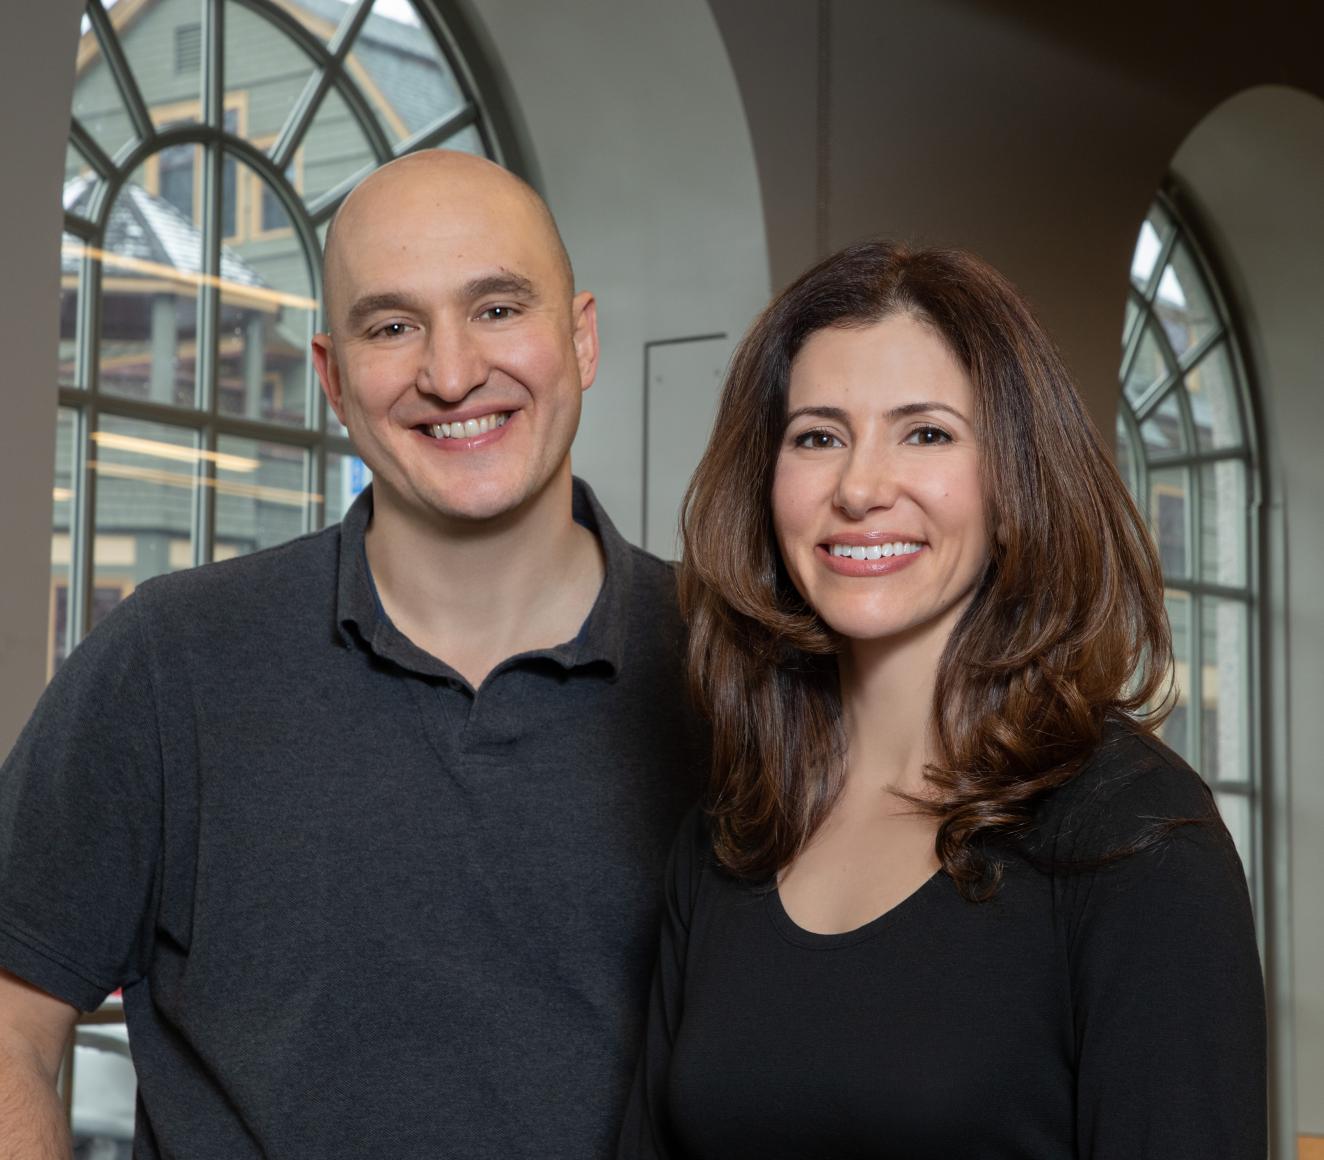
<point>439,181</point>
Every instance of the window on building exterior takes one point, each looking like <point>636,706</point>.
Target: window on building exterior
<point>1186,445</point>
<point>211,141</point>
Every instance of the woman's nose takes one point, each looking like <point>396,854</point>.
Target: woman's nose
<point>868,482</point>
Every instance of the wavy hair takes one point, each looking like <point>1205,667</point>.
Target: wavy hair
<point>1066,624</point>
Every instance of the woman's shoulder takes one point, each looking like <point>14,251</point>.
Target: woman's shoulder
<point>1130,786</point>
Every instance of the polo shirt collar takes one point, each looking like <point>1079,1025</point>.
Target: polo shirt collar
<point>601,638</point>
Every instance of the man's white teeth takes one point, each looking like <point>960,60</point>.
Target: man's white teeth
<point>468,428</point>
<point>874,551</point>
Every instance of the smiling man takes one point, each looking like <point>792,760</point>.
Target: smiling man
<point>367,826</point>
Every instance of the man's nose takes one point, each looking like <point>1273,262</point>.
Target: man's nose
<point>453,363</point>
<point>868,482</point>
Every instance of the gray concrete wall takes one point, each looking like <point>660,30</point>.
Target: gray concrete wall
<point>36,82</point>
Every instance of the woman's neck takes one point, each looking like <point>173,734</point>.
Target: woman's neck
<point>887,690</point>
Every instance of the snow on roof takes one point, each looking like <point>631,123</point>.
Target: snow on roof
<point>148,228</point>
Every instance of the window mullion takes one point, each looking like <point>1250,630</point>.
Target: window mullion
<point>81,530</point>
<point>91,151</point>
<point>349,28</point>
<point>435,135</point>
<point>123,74</point>
<point>213,190</point>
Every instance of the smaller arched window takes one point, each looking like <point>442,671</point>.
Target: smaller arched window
<point>1186,446</point>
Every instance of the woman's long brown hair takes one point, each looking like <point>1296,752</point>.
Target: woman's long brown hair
<point>1066,626</point>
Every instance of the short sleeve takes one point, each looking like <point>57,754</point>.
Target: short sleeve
<point>646,1133</point>
<point>80,822</point>
<point>1167,992</point>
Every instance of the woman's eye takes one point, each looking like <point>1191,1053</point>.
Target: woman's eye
<point>817,440</point>
<point>924,436</point>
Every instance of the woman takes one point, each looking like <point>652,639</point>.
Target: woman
<point>951,897</point>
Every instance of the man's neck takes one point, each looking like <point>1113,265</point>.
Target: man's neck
<point>474,594</point>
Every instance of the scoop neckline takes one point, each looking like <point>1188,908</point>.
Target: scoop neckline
<point>793,932</point>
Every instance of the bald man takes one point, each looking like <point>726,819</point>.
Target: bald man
<point>367,826</point>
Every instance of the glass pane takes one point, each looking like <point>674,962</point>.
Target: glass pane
<point>152,266</point>
<point>1163,432</point>
<point>63,496</point>
<point>264,70</point>
<point>165,55</point>
<point>402,72</point>
<point>1223,523</point>
<point>335,148</point>
<point>75,166</point>
<point>146,480</point>
<point>467,140</point>
<point>267,315</point>
<point>1236,812</point>
<point>322,17</point>
<point>71,267</point>
<point>98,105</point>
<point>1169,492</point>
<point>1225,712</point>
<point>346,476</point>
<point>1176,728</point>
<point>1124,455</point>
<point>1182,302</point>
<point>104,1093</point>
<point>260,495</point>
<point>1148,245</point>
<point>1212,389</point>
<point>1148,368</point>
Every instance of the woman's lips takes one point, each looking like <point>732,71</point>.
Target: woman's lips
<point>882,566</point>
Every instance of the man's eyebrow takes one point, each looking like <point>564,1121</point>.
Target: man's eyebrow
<point>370,304</point>
<point>514,285</point>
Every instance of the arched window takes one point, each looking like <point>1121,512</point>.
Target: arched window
<point>1186,444</point>
<point>210,143</point>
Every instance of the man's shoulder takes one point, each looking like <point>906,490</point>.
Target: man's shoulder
<point>281,579</point>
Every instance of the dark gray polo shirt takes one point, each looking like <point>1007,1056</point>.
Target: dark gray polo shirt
<point>357,909</point>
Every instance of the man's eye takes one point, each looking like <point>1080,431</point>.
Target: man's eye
<point>391,330</point>
<point>926,436</point>
<point>498,313</point>
<point>817,440</point>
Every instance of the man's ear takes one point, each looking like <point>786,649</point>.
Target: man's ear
<point>584,318</point>
<point>328,372</point>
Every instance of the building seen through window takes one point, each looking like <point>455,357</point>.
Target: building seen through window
<point>1186,446</point>
<point>211,141</point>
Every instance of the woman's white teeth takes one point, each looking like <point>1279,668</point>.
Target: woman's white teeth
<point>874,551</point>
<point>468,428</point>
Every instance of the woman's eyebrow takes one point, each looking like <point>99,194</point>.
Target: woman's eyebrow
<point>907,409</point>
<point>834,413</point>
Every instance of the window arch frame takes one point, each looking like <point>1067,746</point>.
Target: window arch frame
<point>1184,226</point>
<point>481,109</point>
